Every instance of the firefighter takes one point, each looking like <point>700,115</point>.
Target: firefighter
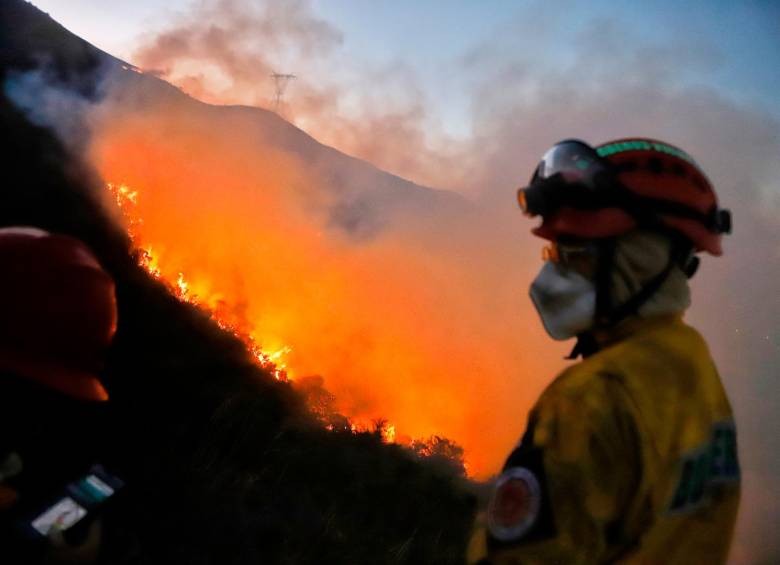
<point>58,318</point>
<point>630,455</point>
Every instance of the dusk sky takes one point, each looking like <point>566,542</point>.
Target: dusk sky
<point>466,95</point>
<point>731,46</point>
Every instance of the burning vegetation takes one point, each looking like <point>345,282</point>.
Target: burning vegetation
<point>226,316</point>
<point>214,305</point>
<point>323,266</point>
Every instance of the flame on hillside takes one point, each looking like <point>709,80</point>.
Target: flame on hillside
<point>127,200</point>
<point>399,307</point>
<point>214,305</point>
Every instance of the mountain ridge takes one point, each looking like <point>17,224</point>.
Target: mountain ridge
<point>57,47</point>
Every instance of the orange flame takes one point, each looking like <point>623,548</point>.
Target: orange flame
<point>388,434</point>
<point>403,323</point>
<point>127,199</point>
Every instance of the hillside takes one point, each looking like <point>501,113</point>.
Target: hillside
<point>224,464</point>
<point>31,39</point>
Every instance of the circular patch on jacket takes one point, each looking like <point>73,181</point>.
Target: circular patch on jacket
<point>515,505</point>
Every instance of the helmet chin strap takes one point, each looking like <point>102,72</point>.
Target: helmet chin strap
<point>607,315</point>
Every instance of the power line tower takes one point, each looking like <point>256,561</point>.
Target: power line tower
<point>280,81</point>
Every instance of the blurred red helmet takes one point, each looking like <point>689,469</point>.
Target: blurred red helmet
<point>59,311</point>
<point>609,190</point>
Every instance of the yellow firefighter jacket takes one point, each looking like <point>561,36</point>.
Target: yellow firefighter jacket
<point>629,457</point>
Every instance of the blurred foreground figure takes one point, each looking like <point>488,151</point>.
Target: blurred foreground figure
<point>57,318</point>
<point>629,456</point>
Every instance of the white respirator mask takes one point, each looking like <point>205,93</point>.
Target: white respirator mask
<point>565,300</point>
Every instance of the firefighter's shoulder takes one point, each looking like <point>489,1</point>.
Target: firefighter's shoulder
<point>583,406</point>
<point>585,388</point>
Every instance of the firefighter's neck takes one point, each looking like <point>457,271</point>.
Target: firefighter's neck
<point>608,336</point>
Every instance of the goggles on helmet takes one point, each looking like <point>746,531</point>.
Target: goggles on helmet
<point>574,174</point>
<point>571,173</point>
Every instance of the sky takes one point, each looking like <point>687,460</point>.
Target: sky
<point>736,43</point>
<point>467,96</point>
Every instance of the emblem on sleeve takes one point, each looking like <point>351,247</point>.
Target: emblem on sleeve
<point>515,505</point>
<point>704,469</point>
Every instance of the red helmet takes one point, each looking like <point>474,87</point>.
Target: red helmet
<point>620,185</point>
<point>59,311</point>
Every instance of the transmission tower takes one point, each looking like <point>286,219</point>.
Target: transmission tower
<point>280,81</point>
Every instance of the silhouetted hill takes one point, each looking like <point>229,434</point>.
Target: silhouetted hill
<point>224,464</point>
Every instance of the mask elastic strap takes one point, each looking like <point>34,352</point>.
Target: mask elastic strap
<point>586,343</point>
<point>603,280</point>
<point>607,316</point>
<point>633,304</point>
<point>677,256</point>
<point>586,346</point>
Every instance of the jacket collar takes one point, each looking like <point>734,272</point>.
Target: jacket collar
<point>627,328</point>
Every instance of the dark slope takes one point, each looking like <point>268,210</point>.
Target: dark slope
<point>224,464</point>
